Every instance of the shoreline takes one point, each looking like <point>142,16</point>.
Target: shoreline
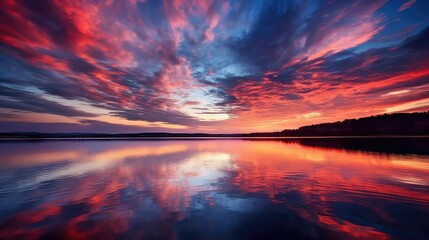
<point>112,138</point>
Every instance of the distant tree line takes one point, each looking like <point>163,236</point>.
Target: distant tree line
<point>387,124</point>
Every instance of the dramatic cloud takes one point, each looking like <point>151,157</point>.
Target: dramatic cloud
<point>407,5</point>
<point>209,66</point>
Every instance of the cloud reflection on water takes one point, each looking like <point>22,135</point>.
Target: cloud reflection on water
<point>209,189</point>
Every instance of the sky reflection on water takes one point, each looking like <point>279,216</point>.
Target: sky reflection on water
<point>212,189</point>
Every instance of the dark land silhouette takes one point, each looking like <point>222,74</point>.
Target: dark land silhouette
<point>397,124</point>
<point>387,124</point>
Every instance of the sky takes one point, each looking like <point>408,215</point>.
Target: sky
<point>208,66</point>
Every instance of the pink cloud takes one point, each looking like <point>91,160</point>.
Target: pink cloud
<point>406,5</point>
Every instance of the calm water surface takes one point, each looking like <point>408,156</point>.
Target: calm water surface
<point>215,189</point>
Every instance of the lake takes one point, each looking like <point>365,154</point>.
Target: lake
<point>375,188</point>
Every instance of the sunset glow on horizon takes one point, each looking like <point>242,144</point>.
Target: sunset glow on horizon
<point>215,66</point>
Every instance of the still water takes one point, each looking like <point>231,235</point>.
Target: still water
<point>215,189</point>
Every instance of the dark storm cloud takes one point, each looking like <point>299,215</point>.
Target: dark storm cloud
<point>419,42</point>
<point>155,115</point>
<point>79,65</point>
<point>85,127</point>
<point>26,101</point>
<point>291,96</point>
<point>275,28</point>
